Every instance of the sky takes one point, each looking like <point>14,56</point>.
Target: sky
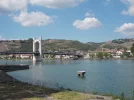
<point>82,20</point>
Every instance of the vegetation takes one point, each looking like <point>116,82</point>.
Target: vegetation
<point>23,91</point>
<point>132,48</point>
<point>54,45</point>
<point>133,96</point>
<point>26,46</point>
<point>122,97</point>
<point>64,45</point>
<point>71,95</point>
<point>100,55</point>
<point>67,45</point>
<point>92,55</point>
<point>106,55</point>
<point>120,41</point>
<point>126,54</point>
<point>118,47</point>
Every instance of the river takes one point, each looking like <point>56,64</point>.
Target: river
<point>102,76</point>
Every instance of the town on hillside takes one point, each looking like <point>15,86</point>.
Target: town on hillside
<point>100,53</point>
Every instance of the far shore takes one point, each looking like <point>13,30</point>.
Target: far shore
<point>130,58</point>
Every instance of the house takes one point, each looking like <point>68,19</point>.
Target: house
<point>119,53</point>
<point>26,56</point>
<point>129,52</point>
<point>58,56</point>
<point>10,56</point>
<point>18,56</point>
<point>86,56</point>
<point>65,56</point>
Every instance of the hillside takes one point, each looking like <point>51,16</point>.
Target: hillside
<point>118,43</point>
<point>68,45</point>
<point>63,45</point>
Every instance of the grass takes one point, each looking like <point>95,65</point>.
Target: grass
<point>33,98</point>
<point>16,90</point>
<point>20,91</point>
<point>71,95</point>
<point>24,91</point>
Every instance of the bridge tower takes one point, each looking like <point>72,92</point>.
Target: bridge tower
<point>37,48</point>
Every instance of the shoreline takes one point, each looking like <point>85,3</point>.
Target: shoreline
<point>78,59</point>
<point>13,89</point>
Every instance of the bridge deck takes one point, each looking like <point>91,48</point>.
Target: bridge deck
<point>54,53</point>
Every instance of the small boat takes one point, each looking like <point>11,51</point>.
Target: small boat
<point>81,73</point>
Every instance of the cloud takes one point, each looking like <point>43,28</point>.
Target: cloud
<point>88,14</point>
<point>126,29</point>
<point>56,3</point>
<point>107,2</point>
<point>130,4</point>
<point>87,23</point>
<point>33,19</point>
<point>8,6</point>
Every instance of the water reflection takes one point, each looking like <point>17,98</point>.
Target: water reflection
<point>82,77</point>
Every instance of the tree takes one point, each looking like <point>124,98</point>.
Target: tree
<point>133,96</point>
<point>126,54</point>
<point>52,56</point>
<point>110,56</point>
<point>100,55</point>
<point>106,55</point>
<point>122,97</point>
<point>132,48</point>
<point>92,55</point>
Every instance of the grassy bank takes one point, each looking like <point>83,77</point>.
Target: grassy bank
<point>24,91</point>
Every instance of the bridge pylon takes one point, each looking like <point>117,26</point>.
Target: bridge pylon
<point>37,48</point>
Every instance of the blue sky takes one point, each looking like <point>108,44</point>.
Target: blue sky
<point>83,20</point>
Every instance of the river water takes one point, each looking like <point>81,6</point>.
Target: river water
<point>102,76</point>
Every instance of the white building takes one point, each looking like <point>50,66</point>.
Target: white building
<point>58,56</point>
<point>130,53</point>
<point>86,56</point>
<point>116,56</point>
<point>119,53</point>
<point>26,56</point>
<point>66,57</point>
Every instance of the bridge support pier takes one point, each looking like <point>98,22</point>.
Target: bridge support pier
<point>37,57</point>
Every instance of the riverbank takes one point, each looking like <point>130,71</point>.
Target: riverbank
<point>11,89</point>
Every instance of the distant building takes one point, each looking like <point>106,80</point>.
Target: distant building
<point>26,56</point>
<point>58,56</point>
<point>119,53</point>
<point>116,56</point>
<point>10,56</point>
<point>86,56</point>
<point>66,56</point>
<point>129,52</point>
<point>18,56</point>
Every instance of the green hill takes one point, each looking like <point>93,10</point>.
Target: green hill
<point>63,45</point>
